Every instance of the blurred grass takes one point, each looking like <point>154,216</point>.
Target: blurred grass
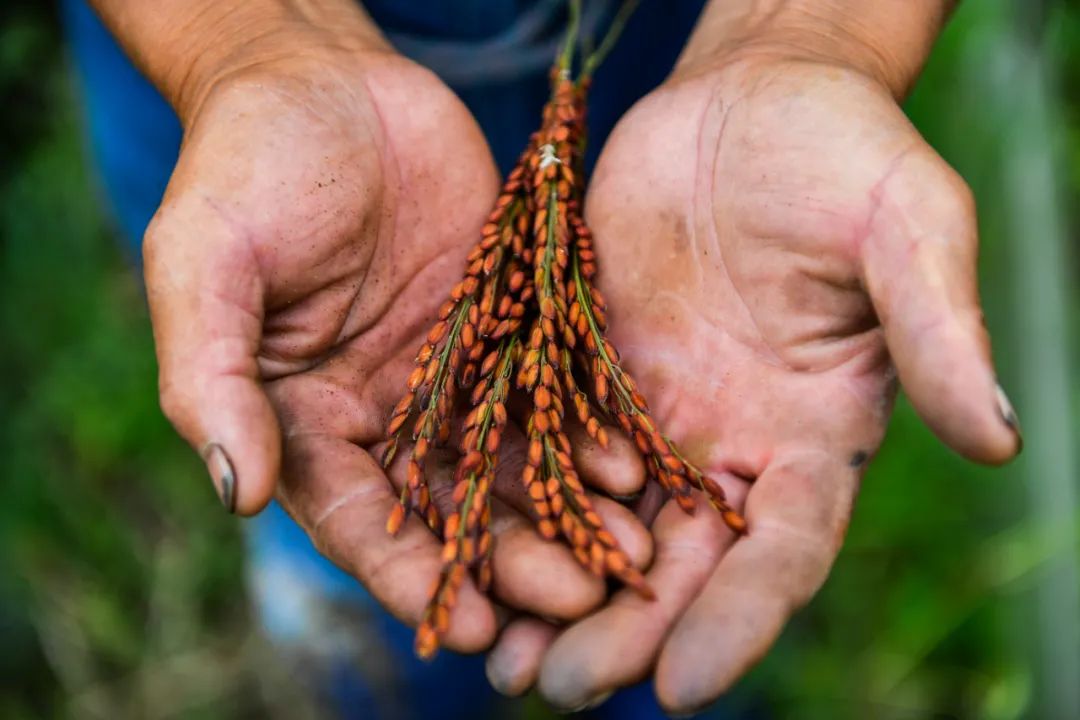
<point>123,594</point>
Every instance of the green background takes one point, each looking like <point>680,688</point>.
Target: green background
<point>122,590</point>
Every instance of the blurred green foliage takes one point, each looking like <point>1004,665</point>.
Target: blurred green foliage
<point>123,591</point>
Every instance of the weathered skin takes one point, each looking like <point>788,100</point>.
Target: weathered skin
<point>768,230</point>
<point>320,211</point>
<point>771,233</point>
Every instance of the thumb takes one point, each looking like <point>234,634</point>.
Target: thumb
<point>206,305</point>
<point>919,258</point>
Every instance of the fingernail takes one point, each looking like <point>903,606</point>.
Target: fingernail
<point>595,702</point>
<point>598,700</point>
<point>502,673</point>
<point>682,714</point>
<point>496,676</point>
<point>1008,414</point>
<point>221,472</point>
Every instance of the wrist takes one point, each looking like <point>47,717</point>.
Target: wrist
<point>186,47</point>
<point>887,40</point>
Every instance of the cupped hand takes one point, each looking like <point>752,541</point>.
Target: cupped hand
<point>777,243</point>
<point>320,211</point>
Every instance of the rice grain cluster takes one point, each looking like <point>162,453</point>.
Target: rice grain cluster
<point>527,318</point>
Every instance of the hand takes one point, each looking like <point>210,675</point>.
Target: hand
<point>774,239</point>
<point>320,211</point>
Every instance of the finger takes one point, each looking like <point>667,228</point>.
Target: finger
<point>631,533</point>
<point>206,305</point>
<point>530,573</point>
<point>617,646</point>
<point>339,495</point>
<point>617,469</point>
<point>919,260</point>
<point>514,662</point>
<point>633,537</point>
<point>797,513</point>
<point>542,577</point>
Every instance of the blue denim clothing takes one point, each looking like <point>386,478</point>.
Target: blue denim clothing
<point>494,54</point>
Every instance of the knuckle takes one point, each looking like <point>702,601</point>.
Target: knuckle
<point>959,202</point>
<point>156,239</point>
<point>954,205</point>
<point>152,241</point>
<point>963,197</point>
<point>173,400</point>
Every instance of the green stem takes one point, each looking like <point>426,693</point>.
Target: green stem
<point>444,359</point>
<point>555,471</point>
<point>586,308</point>
<point>614,31</point>
<point>549,248</point>
<point>501,371</point>
<point>465,507</point>
<point>566,58</point>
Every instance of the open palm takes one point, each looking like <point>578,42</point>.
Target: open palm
<point>320,211</point>
<point>775,238</point>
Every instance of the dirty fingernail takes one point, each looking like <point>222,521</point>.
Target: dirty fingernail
<point>682,716</point>
<point>221,472</point>
<point>598,700</point>
<point>498,666</point>
<point>504,672</point>
<point>497,676</point>
<point>595,702</point>
<point>1008,414</point>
